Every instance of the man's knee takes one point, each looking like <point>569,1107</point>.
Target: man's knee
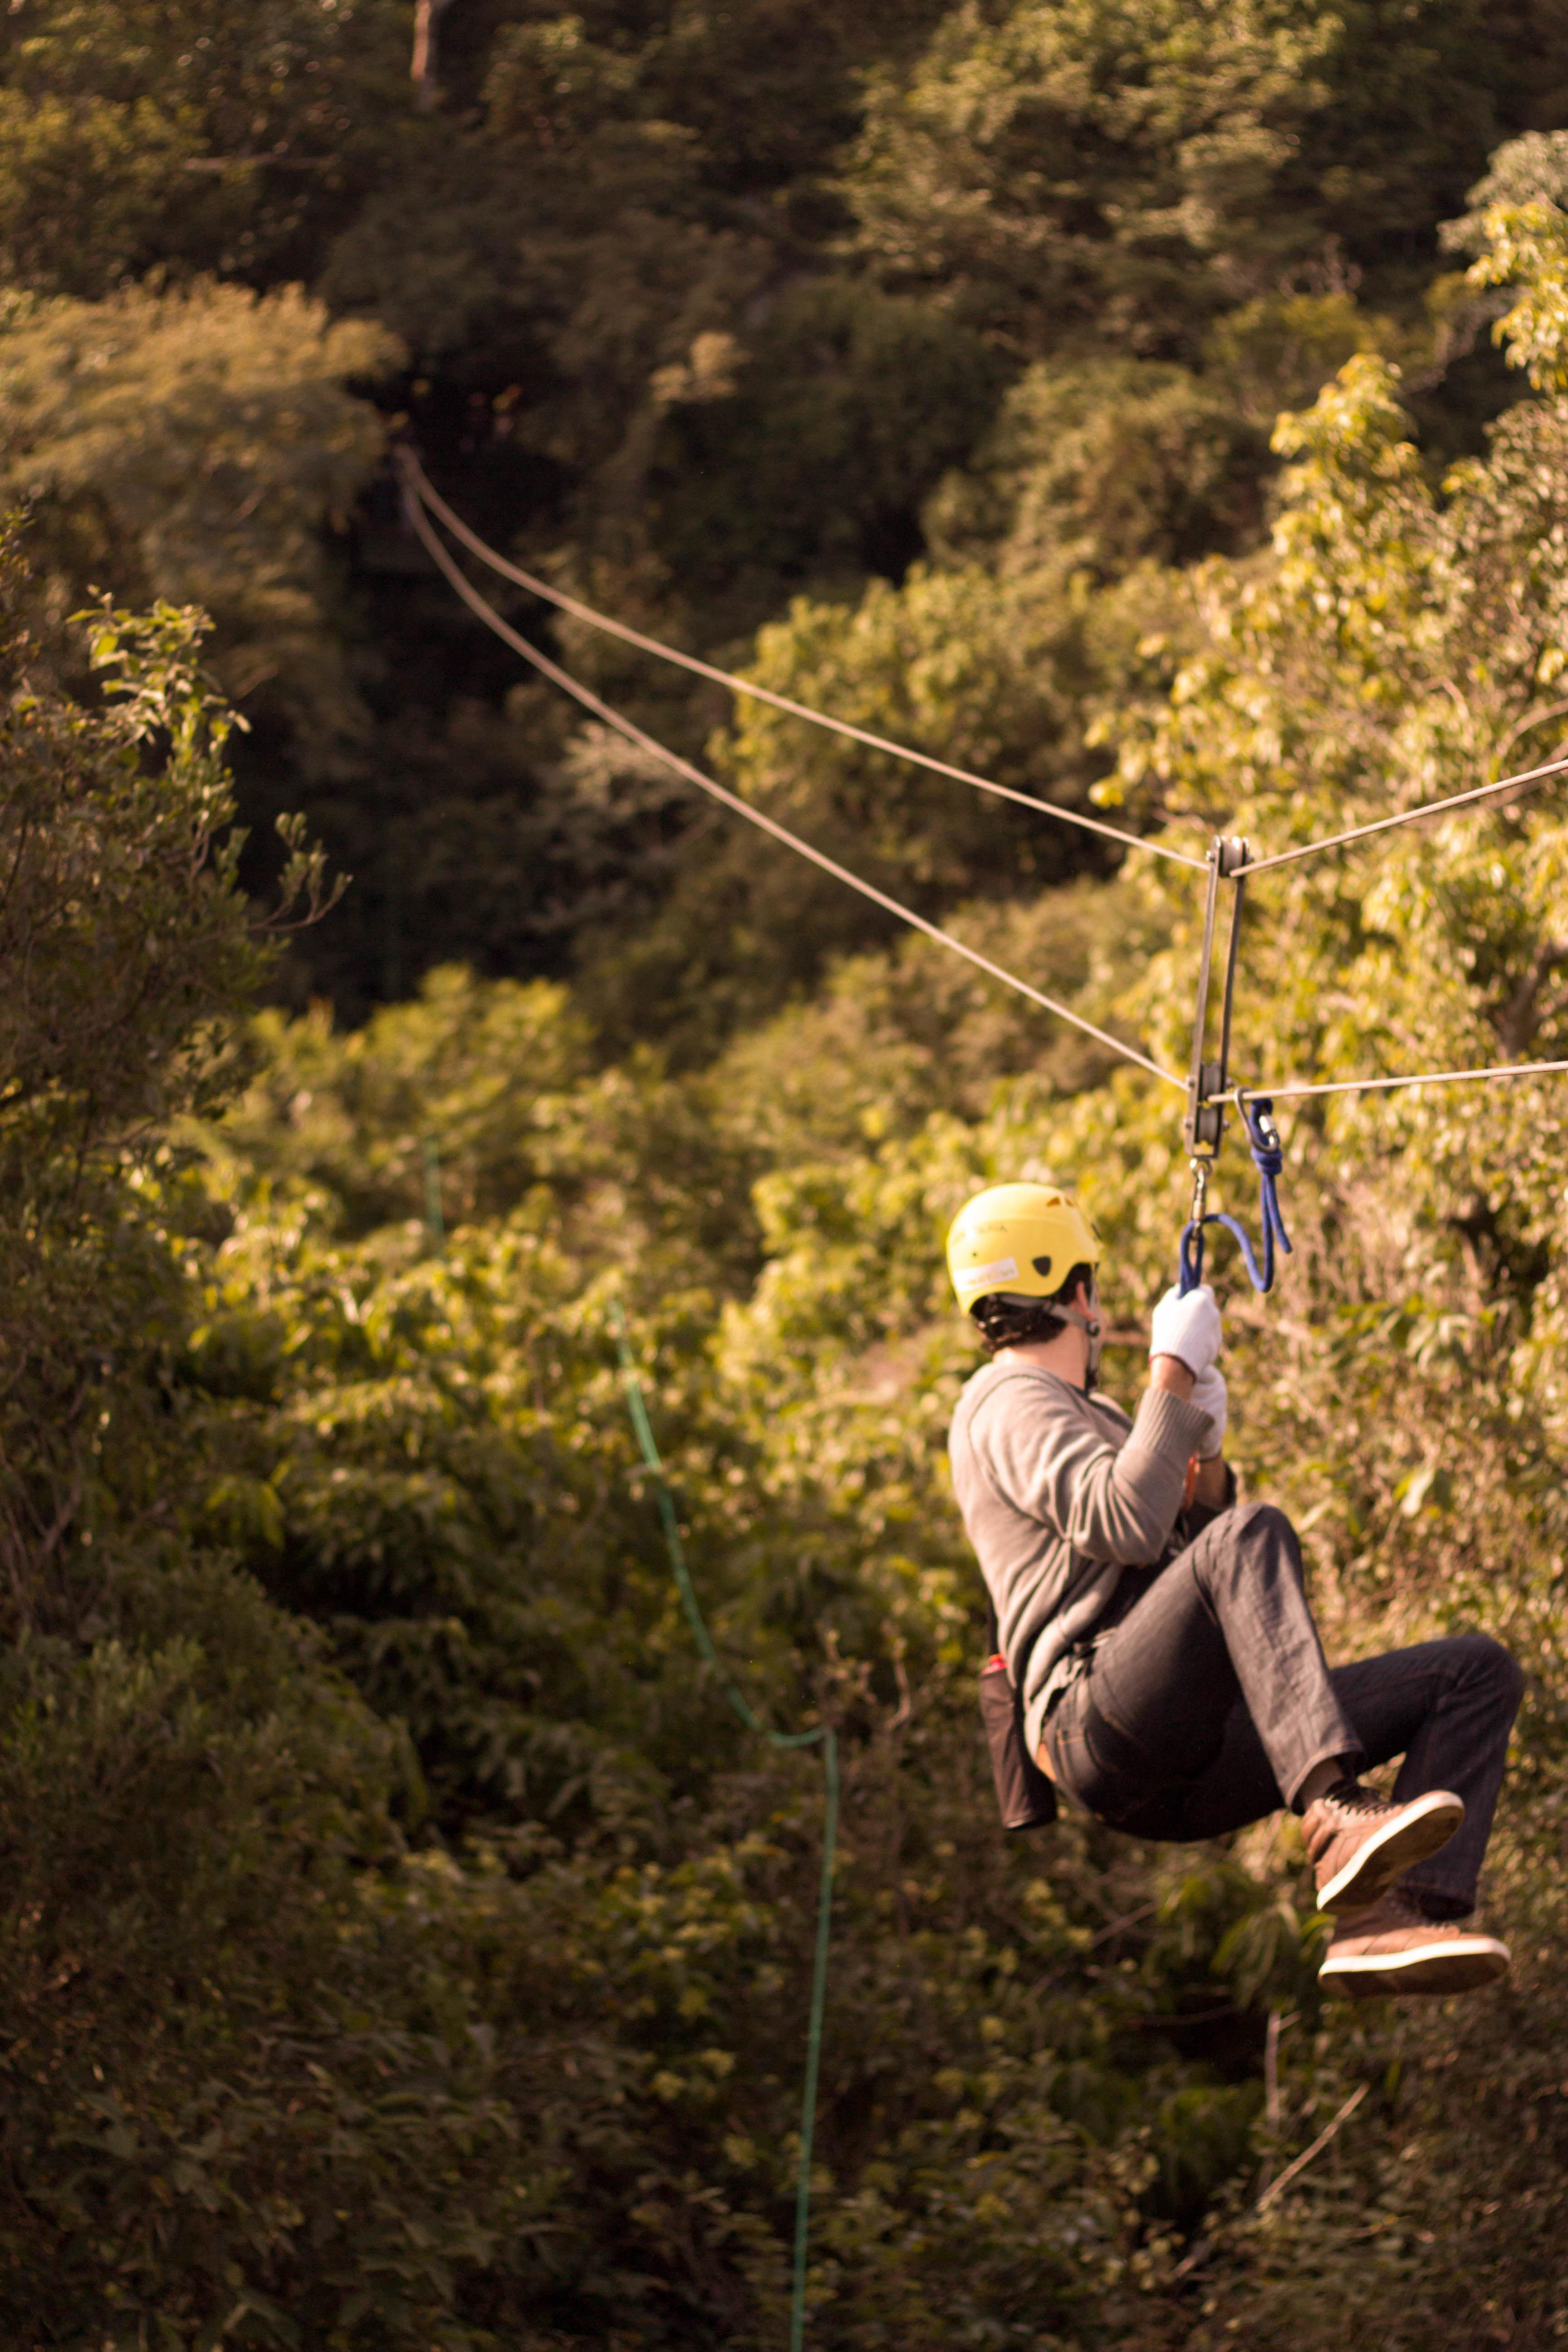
<point>1252,1527</point>
<point>1244,1539</point>
<point>1261,1523</point>
<point>1484,1663</point>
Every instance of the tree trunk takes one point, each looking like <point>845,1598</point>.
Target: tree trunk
<point>427,15</point>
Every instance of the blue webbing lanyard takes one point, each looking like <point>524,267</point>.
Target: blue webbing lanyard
<point>1267,1158</point>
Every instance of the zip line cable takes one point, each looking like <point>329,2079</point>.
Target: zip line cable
<point>634,734</point>
<point>824,1736</point>
<point>418,497</point>
<point>415,478</point>
<point>1239,1096</point>
<point>425,491</point>
<point>1406,817</point>
<point>1240,869</point>
<point>1209,1087</point>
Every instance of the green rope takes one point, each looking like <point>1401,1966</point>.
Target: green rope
<point>828,1739</point>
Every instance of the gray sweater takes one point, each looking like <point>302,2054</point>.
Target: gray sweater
<point>1059,1492</point>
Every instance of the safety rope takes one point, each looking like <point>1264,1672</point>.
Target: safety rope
<point>1408,816</point>
<point>634,734</point>
<point>1419,1078</point>
<point>415,478</point>
<point>1268,1159</point>
<point>824,1736</point>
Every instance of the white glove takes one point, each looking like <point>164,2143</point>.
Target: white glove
<point>1188,1329</point>
<point>1211,1396</point>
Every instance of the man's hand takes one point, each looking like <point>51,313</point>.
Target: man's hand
<point>1188,1329</point>
<point>1211,1396</point>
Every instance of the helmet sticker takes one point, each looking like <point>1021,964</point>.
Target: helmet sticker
<point>1001,1269</point>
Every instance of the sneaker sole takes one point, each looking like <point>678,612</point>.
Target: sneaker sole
<point>1418,1830</point>
<point>1459,1964</point>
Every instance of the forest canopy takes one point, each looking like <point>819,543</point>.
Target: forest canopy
<point>1161,411</point>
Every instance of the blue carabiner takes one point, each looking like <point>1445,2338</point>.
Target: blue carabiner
<point>1268,1160</point>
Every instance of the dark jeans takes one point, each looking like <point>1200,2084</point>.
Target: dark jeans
<point>1209,1704</point>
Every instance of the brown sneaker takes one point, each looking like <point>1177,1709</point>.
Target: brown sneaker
<point>1360,1842</point>
<point>1394,1949</point>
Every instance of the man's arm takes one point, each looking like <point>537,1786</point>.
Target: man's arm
<point>1112,1504</point>
<point>1170,1372</point>
<point>1212,1485</point>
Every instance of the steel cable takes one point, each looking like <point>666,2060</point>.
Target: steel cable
<point>415,478</point>
<point>1406,817</point>
<point>634,734</point>
<point>417,494</point>
<point>1372,1086</point>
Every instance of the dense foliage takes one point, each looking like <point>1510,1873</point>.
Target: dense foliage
<point>705,309</point>
<point>402,1942</point>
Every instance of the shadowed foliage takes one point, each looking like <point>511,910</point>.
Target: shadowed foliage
<point>402,1944</point>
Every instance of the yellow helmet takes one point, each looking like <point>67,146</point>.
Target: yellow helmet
<point>1024,1239</point>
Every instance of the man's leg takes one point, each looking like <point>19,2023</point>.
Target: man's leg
<point>1226,1621</point>
<point>1221,1654</point>
<point>1469,1689</point>
<point>1447,1707</point>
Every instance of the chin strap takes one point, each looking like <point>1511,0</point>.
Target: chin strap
<point>1091,1327</point>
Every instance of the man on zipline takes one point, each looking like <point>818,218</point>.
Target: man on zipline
<point>1171,1675</point>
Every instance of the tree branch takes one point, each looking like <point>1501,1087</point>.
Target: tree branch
<point>1305,2158</point>
<point>428,15</point>
<point>1205,2246</point>
<point>1518,1025</point>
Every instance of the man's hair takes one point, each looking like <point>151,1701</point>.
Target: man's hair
<point>1013,1322</point>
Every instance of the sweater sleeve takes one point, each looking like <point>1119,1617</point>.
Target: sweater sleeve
<point>1110,1502</point>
